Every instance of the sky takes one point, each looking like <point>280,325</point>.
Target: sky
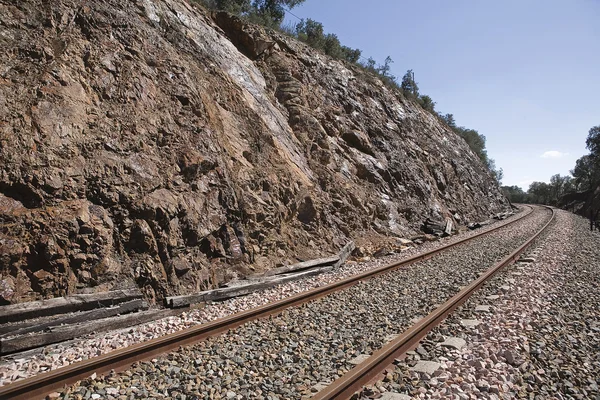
<point>524,73</point>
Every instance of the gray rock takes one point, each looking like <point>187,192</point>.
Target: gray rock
<point>394,396</point>
<point>454,342</point>
<point>426,367</point>
<point>359,359</point>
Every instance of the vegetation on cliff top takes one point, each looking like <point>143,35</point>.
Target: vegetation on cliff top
<point>271,13</point>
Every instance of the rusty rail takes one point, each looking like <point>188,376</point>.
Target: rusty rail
<point>351,382</point>
<point>40,385</point>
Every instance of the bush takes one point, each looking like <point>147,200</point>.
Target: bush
<point>312,33</point>
<point>427,103</point>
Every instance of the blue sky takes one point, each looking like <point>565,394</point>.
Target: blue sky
<point>526,74</point>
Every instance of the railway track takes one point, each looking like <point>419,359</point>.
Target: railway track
<point>41,385</point>
<point>364,373</point>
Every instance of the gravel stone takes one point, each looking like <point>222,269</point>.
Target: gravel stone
<point>288,354</point>
<point>540,340</point>
<point>20,366</point>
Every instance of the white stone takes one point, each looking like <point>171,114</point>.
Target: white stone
<point>469,323</point>
<point>483,308</point>
<point>427,367</point>
<point>394,396</point>
<point>359,359</point>
<point>455,342</point>
<point>527,260</point>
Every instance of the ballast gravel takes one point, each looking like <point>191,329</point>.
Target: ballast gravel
<point>20,366</point>
<point>296,353</point>
<point>540,338</point>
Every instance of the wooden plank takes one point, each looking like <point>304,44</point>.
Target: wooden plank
<point>272,278</point>
<point>228,293</point>
<point>336,261</point>
<point>63,305</point>
<point>84,316</point>
<point>185,300</point>
<point>62,333</point>
<point>13,326</point>
<point>239,290</point>
<point>319,262</point>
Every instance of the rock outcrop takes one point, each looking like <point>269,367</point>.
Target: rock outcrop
<point>152,143</point>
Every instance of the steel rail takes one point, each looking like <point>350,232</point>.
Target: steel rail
<point>351,382</point>
<point>41,385</point>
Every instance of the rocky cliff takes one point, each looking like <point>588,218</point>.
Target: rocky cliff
<point>151,143</point>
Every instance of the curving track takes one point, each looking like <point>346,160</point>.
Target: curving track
<point>364,373</point>
<point>327,312</point>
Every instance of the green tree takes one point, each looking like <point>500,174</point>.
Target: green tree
<point>593,141</point>
<point>370,64</point>
<point>559,186</point>
<point>475,141</point>
<point>449,120</point>
<point>351,55</point>
<point>515,194</point>
<point>273,11</point>
<point>311,32</point>
<point>333,46</point>
<point>384,70</point>
<point>585,173</point>
<point>409,86</point>
<point>427,103</point>
<point>233,6</point>
<point>539,192</point>
<point>497,173</point>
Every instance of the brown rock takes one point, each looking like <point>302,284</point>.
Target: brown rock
<point>202,139</point>
<point>142,239</point>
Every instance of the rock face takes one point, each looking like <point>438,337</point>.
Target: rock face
<point>151,143</point>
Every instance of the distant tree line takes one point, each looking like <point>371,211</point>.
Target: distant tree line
<point>541,192</point>
<point>271,13</point>
<point>583,181</point>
